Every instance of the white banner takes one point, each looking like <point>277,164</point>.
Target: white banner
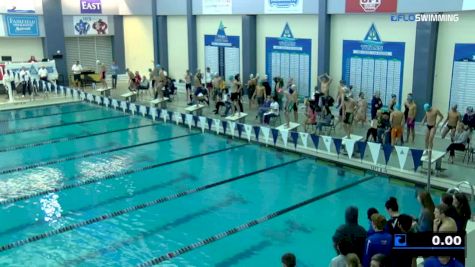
<point>189,120</point>
<point>143,110</point>
<point>468,5</point>
<point>283,6</point>
<point>90,25</point>
<point>304,138</point>
<point>217,125</point>
<point>217,7</point>
<point>375,149</point>
<point>350,147</point>
<point>265,132</point>
<point>32,69</point>
<point>402,153</point>
<point>248,129</point>
<point>285,136</point>
<point>232,127</point>
<point>327,140</point>
<point>106,102</point>
<point>202,123</point>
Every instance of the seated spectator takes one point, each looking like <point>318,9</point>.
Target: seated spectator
<point>352,260</point>
<point>289,260</point>
<point>379,242</point>
<point>351,230</point>
<point>369,213</point>
<point>273,112</point>
<point>459,142</point>
<point>448,200</point>
<point>265,107</point>
<point>442,222</point>
<point>144,84</point>
<point>325,120</point>
<point>469,118</point>
<point>373,129</point>
<point>392,209</point>
<point>200,95</point>
<point>223,99</point>
<point>426,217</point>
<point>311,115</point>
<point>131,82</point>
<point>379,260</point>
<point>137,80</point>
<point>343,247</point>
<point>463,210</point>
<point>442,262</point>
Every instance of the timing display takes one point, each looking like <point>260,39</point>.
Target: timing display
<point>429,244</point>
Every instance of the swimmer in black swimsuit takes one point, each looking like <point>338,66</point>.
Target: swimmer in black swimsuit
<point>432,123</point>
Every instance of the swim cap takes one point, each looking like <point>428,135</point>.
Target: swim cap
<point>409,97</point>
<point>426,107</point>
<point>470,109</point>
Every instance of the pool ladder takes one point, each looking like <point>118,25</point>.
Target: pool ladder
<point>456,188</point>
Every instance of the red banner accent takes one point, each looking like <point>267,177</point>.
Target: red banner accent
<point>371,6</point>
<point>2,70</point>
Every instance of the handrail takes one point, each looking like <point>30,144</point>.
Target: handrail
<point>456,188</point>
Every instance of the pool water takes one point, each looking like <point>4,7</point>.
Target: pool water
<point>82,185</point>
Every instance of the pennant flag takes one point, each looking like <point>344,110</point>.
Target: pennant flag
<point>183,118</point>
<point>248,129</point>
<point>98,100</point>
<point>43,85</point>
<point>275,134</point>
<point>265,131</point>
<point>304,137</point>
<point>225,126</point>
<point>361,149</point>
<point>153,113</point>
<point>123,105</point>
<point>132,108</point>
<point>239,128</point>
<point>232,127</point>
<point>177,117</point>
<point>170,115</point>
<point>294,136</point>
<point>164,115</point>
<point>75,94</point>
<point>285,136</point>
<point>327,141</point>
<point>195,119</point>
<point>416,157</point>
<point>257,129</point>
<point>337,142</point>
<point>49,87</point>
<point>350,147</point>
<point>115,104</point>
<point>189,120</point>
<point>61,90</point>
<point>143,110</point>
<point>315,140</point>
<point>217,123</point>
<point>387,149</point>
<point>202,123</point>
<point>68,91</point>
<point>106,102</point>
<point>402,152</point>
<point>89,97</point>
<point>210,122</point>
<point>159,113</point>
<point>375,149</point>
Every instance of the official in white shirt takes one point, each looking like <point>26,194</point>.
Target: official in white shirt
<point>25,80</point>
<point>77,69</point>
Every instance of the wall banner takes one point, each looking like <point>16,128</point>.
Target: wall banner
<point>217,7</point>
<point>373,65</point>
<point>371,6</point>
<point>20,6</point>
<point>283,6</point>
<point>90,25</point>
<point>222,53</point>
<point>33,68</point>
<point>22,25</point>
<point>91,7</point>
<point>289,57</point>
<point>463,76</point>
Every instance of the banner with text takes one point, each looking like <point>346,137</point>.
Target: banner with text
<point>373,65</point>
<point>217,7</point>
<point>90,25</point>
<point>222,53</point>
<point>283,6</point>
<point>22,25</point>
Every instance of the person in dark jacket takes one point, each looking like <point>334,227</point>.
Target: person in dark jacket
<point>376,104</point>
<point>370,212</point>
<point>351,230</point>
<point>469,118</point>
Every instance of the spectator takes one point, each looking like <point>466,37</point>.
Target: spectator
<point>289,260</point>
<point>32,60</point>
<point>442,222</point>
<point>379,260</point>
<point>376,104</point>
<point>114,72</point>
<point>452,120</point>
<point>352,260</point>
<point>25,81</point>
<point>442,262</point>
<point>265,107</point>
<point>410,112</point>
<point>137,80</point>
<point>392,103</point>
<point>370,213</point>
<point>469,118</point>
<point>352,230</point>
<point>426,217</point>
<point>379,242</point>
<point>403,226</point>
<point>311,115</point>
<point>459,141</point>
<point>144,84</point>
<point>223,100</point>
<point>274,111</point>
<point>384,127</point>
<point>343,247</point>
<point>392,209</point>
<point>373,128</point>
<point>325,120</point>
<point>77,70</point>
<point>463,210</point>
<point>448,200</point>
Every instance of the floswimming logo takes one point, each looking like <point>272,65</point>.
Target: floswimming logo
<point>425,17</point>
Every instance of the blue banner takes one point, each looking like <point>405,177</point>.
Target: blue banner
<point>416,157</point>
<point>288,57</point>
<point>210,122</point>
<point>275,134</point>
<point>239,127</point>
<point>22,25</point>
<point>373,65</point>
<point>257,130</point>
<point>294,136</point>
<point>225,126</point>
<point>361,145</point>
<point>315,140</point>
<point>337,142</point>
<point>387,149</point>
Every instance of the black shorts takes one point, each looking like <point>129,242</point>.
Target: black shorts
<point>77,77</point>
<point>451,127</point>
<point>348,118</point>
<point>188,86</point>
<point>235,96</point>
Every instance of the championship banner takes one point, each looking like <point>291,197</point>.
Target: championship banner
<point>375,149</point>
<point>283,6</point>
<point>90,25</point>
<point>371,6</point>
<point>402,153</point>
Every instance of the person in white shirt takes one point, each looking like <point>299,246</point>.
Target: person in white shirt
<point>274,111</point>
<point>25,80</point>
<point>77,69</point>
<point>43,74</point>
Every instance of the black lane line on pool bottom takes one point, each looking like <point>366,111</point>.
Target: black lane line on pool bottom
<point>66,139</point>
<point>48,115</point>
<point>110,215</point>
<point>90,154</point>
<point>214,238</point>
<point>58,125</point>
<point>112,176</point>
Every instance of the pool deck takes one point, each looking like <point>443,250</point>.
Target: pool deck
<point>450,177</point>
